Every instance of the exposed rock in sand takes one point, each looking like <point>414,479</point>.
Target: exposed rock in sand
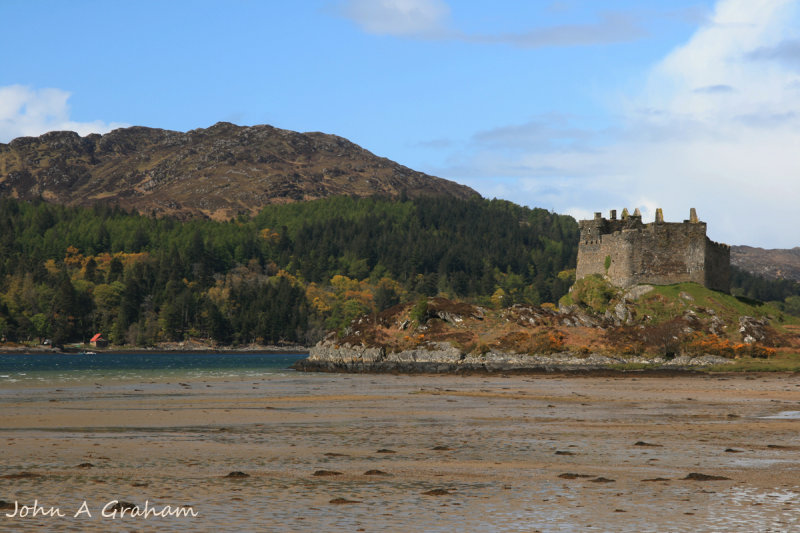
<point>696,476</point>
<point>570,475</point>
<point>122,506</point>
<point>323,473</point>
<point>436,492</point>
<point>342,501</point>
<point>21,475</point>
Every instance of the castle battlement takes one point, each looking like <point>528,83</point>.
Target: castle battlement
<point>629,252</point>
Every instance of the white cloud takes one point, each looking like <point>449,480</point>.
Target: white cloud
<point>611,27</point>
<point>542,133</point>
<point>716,126</point>
<point>717,54</point>
<point>398,17</point>
<point>732,151</point>
<point>31,112</point>
<point>787,52</point>
<point>430,19</point>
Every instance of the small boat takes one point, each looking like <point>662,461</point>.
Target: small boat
<point>87,353</point>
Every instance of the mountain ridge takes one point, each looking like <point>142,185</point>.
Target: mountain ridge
<point>217,172</point>
<point>776,264</point>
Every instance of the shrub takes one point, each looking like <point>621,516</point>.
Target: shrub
<point>714,345</point>
<point>710,344</point>
<point>594,292</point>
<point>546,341</point>
<point>419,313</point>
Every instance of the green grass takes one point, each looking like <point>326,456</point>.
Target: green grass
<point>784,362</point>
<point>714,299</point>
<point>627,367</point>
<point>665,302</point>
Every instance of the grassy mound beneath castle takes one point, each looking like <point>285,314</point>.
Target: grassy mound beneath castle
<point>663,302</point>
<point>686,319</point>
<point>659,303</point>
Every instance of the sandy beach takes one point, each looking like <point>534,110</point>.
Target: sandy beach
<point>334,452</point>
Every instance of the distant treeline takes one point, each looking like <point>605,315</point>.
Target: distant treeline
<point>783,293</point>
<point>285,275</point>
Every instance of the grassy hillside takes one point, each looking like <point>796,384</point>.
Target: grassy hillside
<point>664,302</point>
<point>684,318</point>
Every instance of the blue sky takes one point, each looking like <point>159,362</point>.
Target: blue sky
<point>573,105</point>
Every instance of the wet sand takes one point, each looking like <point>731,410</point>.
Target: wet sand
<point>334,452</point>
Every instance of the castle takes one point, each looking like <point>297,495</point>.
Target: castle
<point>630,252</point>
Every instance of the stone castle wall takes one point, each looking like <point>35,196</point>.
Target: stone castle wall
<point>718,266</point>
<point>630,252</point>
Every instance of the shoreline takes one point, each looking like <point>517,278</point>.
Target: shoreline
<point>555,372</point>
<point>445,359</point>
<point>166,348</point>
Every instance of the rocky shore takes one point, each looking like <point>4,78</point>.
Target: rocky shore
<point>597,328</point>
<point>442,357</point>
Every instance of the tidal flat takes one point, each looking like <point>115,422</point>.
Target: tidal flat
<point>290,451</point>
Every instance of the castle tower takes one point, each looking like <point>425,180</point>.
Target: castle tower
<point>629,252</point>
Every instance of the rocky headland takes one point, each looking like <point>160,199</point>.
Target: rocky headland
<point>595,328</point>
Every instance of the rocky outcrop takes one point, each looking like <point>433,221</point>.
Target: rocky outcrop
<point>441,357</point>
<point>753,329</point>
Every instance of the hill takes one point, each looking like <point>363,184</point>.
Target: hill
<point>770,264</point>
<point>218,172</point>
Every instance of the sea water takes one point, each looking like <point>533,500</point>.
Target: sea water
<point>22,369</point>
